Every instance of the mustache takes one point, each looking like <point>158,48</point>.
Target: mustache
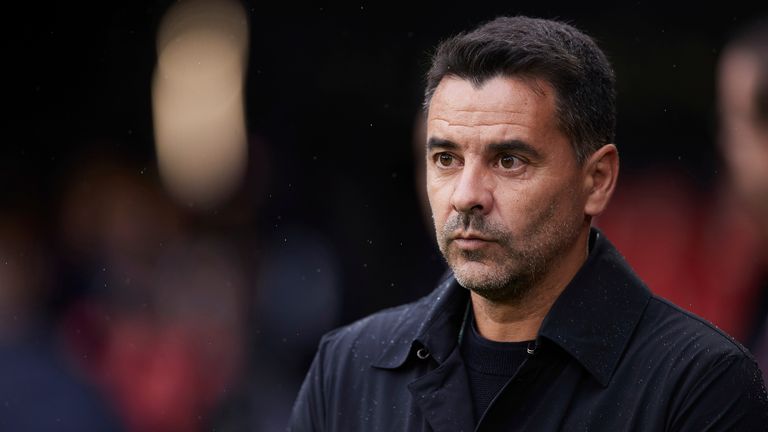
<point>474,222</point>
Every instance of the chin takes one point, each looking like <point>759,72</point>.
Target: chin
<point>491,282</point>
<point>478,276</point>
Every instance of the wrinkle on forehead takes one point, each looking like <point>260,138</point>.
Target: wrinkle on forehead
<point>482,117</point>
<point>488,111</point>
<point>474,123</point>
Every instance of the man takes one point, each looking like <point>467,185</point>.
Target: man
<point>541,325</point>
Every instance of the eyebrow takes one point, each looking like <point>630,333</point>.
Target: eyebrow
<point>512,146</point>
<point>515,146</point>
<point>439,143</point>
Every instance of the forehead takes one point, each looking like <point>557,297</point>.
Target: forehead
<point>500,108</point>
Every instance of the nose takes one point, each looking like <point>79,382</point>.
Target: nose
<point>472,192</point>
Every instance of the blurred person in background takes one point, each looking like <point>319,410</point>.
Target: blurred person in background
<point>157,317</point>
<point>743,111</point>
<point>41,388</point>
<point>713,260</point>
<point>171,361</point>
<point>691,238</point>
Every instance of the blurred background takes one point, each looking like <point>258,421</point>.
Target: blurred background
<point>194,192</point>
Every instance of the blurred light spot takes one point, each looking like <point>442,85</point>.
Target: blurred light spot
<point>197,100</point>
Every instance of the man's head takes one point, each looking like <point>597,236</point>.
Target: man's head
<point>743,107</point>
<point>520,120</point>
<point>551,51</point>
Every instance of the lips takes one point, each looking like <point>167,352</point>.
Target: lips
<point>471,241</point>
<point>471,236</point>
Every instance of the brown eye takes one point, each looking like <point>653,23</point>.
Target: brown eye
<point>509,162</point>
<point>445,159</point>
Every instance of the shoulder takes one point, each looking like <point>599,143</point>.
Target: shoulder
<point>396,325</point>
<point>686,333</point>
<point>712,378</point>
<point>690,354</point>
<point>371,335</point>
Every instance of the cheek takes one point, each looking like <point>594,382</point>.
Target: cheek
<point>514,201</point>
<point>522,208</point>
<point>440,212</point>
<point>439,195</point>
<point>569,204</point>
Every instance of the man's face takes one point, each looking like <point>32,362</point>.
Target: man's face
<point>503,183</point>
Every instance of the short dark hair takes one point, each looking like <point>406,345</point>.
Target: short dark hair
<point>554,51</point>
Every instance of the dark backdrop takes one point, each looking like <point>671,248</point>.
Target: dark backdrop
<point>332,97</point>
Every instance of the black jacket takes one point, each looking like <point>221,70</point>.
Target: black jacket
<point>610,356</point>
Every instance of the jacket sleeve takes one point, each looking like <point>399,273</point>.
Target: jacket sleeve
<point>308,414</point>
<point>730,396</point>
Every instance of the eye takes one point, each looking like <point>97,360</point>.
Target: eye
<point>444,160</point>
<point>510,162</point>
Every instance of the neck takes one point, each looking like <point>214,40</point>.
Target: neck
<point>520,320</point>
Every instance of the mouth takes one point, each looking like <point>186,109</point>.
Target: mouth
<point>470,241</point>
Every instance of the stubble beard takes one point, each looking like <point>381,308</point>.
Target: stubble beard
<point>509,271</point>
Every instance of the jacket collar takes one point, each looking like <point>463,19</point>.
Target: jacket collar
<point>432,323</point>
<point>595,316</point>
<point>592,320</point>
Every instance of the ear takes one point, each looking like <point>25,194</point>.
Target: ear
<point>601,171</point>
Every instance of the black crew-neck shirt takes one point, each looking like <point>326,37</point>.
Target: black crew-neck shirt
<point>489,364</point>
